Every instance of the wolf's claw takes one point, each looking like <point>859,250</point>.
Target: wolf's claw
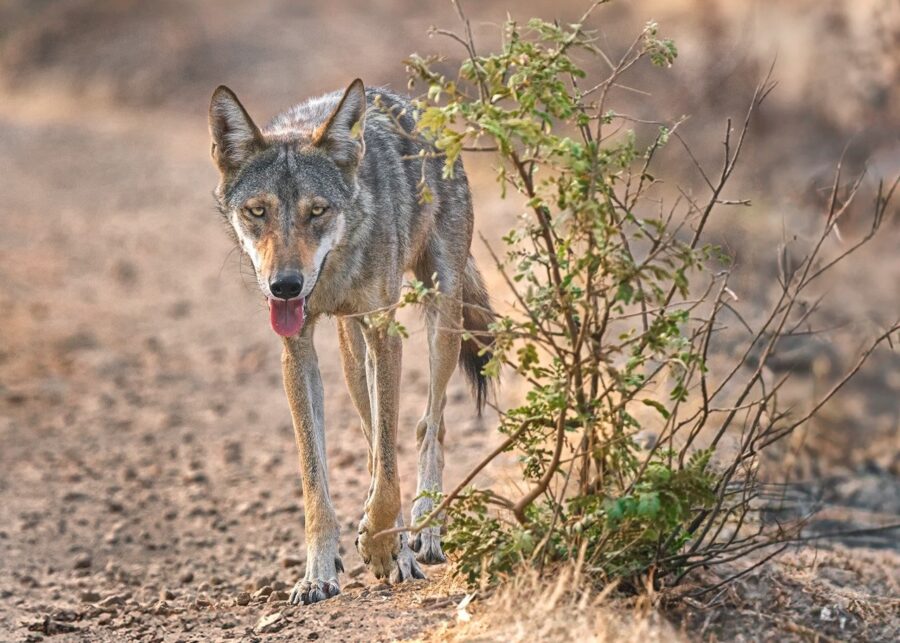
<point>308,592</point>
<point>378,555</point>
<point>427,545</point>
<point>406,566</point>
<point>389,559</point>
<point>320,581</point>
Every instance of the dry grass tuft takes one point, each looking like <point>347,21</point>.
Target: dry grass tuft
<point>558,607</point>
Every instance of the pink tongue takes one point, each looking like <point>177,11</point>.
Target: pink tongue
<point>286,316</point>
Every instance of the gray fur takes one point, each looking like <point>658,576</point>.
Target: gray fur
<point>353,259</point>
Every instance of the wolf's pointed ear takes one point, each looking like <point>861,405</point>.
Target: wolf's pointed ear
<point>234,136</point>
<point>341,136</point>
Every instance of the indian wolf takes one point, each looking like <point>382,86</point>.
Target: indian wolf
<point>326,202</point>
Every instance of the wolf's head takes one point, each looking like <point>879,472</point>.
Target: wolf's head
<point>286,194</point>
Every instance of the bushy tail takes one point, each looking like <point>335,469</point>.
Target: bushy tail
<point>477,317</point>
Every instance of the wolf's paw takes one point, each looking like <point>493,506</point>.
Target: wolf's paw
<point>313,591</point>
<point>427,545</point>
<point>406,566</point>
<point>320,581</point>
<point>380,555</point>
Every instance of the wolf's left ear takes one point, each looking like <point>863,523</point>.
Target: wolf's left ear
<point>342,134</point>
<point>235,138</point>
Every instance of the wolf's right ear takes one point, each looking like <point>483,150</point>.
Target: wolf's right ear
<point>235,138</point>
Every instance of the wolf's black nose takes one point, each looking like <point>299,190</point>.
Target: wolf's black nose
<point>286,285</point>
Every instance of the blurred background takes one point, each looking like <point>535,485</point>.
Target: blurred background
<point>142,421</point>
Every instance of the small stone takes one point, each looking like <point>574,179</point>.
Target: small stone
<point>90,596</point>
<point>262,592</point>
<point>271,623</point>
<point>180,309</point>
<point>291,561</point>
<point>196,477</point>
<point>65,615</point>
<point>125,272</point>
<point>262,581</point>
<point>78,341</point>
<point>279,585</point>
<point>105,618</point>
<point>46,625</point>
<point>277,596</point>
<point>248,507</point>
<point>243,598</point>
<point>83,561</point>
<point>186,577</point>
<point>114,535</point>
<point>29,581</point>
<point>356,571</point>
<point>233,453</point>
<point>115,599</point>
<point>202,601</point>
<point>166,595</point>
<point>354,584</point>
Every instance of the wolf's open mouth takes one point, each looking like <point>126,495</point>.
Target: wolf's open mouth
<point>286,316</point>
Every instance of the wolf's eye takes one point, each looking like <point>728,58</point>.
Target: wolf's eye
<point>257,211</point>
<point>318,210</point>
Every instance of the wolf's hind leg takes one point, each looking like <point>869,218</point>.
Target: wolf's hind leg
<point>359,371</point>
<point>444,321</point>
<point>356,372</point>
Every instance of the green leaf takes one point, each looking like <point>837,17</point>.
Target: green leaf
<point>659,406</point>
<point>648,505</point>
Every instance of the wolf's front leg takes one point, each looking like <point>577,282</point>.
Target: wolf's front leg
<point>303,385</point>
<point>387,557</point>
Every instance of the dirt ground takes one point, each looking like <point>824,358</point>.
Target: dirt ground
<point>148,479</point>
